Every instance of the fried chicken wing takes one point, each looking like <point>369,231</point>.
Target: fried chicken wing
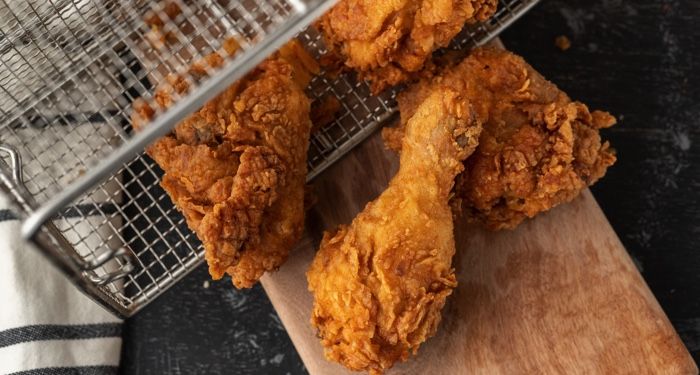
<point>236,168</point>
<point>389,41</point>
<point>380,283</point>
<point>538,148</point>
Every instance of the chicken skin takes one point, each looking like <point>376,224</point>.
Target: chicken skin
<point>380,283</point>
<point>538,148</point>
<point>388,42</point>
<point>236,168</point>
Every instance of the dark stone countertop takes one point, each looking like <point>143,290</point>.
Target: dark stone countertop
<point>639,60</point>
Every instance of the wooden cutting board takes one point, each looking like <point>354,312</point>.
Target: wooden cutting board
<point>557,295</point>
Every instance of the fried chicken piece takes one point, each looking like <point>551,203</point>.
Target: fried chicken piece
<point>538,148</point>
<point>236,168</point>
<point>380,283</point>
<point>388,42</point>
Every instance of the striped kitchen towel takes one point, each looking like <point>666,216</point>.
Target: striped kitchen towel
<point>47,326</point>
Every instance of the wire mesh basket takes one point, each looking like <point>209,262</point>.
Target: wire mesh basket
<point>70,161</point>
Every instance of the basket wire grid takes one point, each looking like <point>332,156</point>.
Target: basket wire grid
<point>69,72</point>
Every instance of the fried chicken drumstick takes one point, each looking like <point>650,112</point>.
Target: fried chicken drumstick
<point>388,41</point>
<point>380,283</point>
<point>538,148</point>
<point>236,168</point>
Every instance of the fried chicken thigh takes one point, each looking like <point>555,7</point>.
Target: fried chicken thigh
<point>388,41</point>
<point>538,148</point>
<point>236,168</point>
<point>380,283</point>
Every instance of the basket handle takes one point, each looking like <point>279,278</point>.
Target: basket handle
<point>84,268</point>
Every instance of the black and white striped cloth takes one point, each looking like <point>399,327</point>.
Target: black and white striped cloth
<point>47,326</point>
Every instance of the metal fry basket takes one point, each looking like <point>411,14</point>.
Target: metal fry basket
<point>71,164</point>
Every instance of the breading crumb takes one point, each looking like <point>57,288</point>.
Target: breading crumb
<point>562,42</point>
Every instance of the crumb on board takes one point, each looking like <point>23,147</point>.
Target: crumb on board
<point>562,42</point>
<point>206,284</point>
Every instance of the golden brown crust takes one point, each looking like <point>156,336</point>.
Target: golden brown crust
<point>236,168</point>
<point>538,148</point>
<point>388,42</point>
<point>380,283</point>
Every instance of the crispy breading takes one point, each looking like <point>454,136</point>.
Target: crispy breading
<point>538,148</point>
<point>380,283</point>
<point>236,168</point>
<point>387,42</point>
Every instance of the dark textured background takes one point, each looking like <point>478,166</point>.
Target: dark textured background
<point>641,61</point>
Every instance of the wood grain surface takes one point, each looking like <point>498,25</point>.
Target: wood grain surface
<point>557,295</point>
